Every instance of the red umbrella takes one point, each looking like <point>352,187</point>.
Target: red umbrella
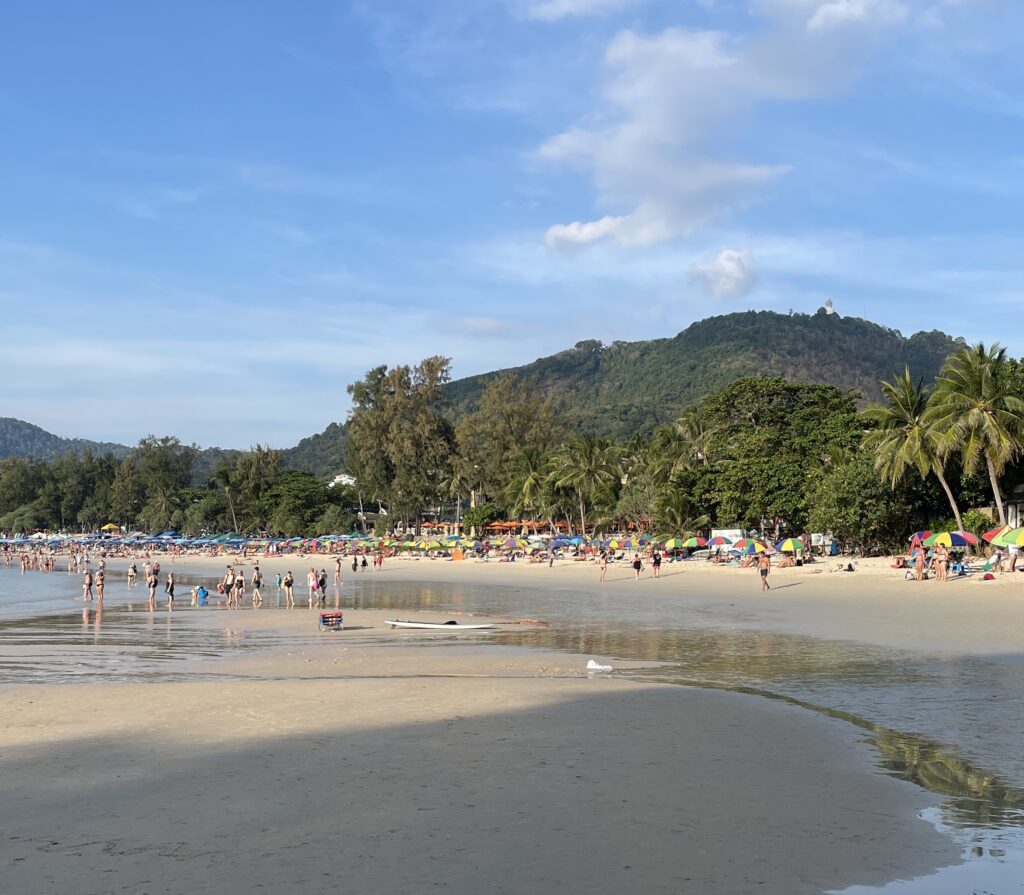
<point>995,533</point>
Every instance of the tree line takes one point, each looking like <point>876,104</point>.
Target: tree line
<point>153,489</point>
<point>760,454</point>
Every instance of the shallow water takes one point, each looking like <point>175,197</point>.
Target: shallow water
<point>953,725</point>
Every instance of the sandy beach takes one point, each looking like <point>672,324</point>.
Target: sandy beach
<point>874,604</point>
<point>391,766</point>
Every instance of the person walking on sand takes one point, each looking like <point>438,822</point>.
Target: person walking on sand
<point>764,565</point>
<point>638,566</point>
<point>337,570</point>
<point>656,563</point>
<point>603,566</point>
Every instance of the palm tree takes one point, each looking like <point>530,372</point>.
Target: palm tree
<point>902,440</point>
<point>695,435</point>
<point>525,492</point>
<point>976,413</point>
<point>223,477</point>
<point>583,464</point>
<point>667,453</point>
<point>674,518</point>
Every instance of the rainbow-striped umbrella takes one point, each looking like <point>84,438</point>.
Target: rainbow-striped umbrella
<point>1012,537</point>
<point>791,545</point>
<point>951,539</point>
<point>693,543</point>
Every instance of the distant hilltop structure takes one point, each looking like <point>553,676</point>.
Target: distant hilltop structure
<point>827,308</point>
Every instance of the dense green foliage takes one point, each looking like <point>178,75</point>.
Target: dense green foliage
<point>152,489</point>
<point>628,387</point>
<point>21,439</point>
<point>761,453</point>
<point>625,388</point>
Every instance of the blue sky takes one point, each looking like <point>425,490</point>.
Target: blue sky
<point>215,216</point>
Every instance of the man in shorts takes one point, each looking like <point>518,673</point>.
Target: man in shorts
<point>764,565</point>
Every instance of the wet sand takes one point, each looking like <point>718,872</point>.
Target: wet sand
<point>873,605</point>
<point>400,763</point>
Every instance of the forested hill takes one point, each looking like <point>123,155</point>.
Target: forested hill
<point>320,454</point>
<point>628,387</point>
<point>21,439</point>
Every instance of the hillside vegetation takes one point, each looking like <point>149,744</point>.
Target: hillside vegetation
<point>628,387</point>
<point>21,439</point>
<point>625,388</point>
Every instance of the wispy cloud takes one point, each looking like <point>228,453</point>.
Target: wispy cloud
<point>555,10</point>
<point>153,203</point>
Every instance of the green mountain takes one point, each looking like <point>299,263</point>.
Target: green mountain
<point>629,387</point>
<point>322,454</point>
<point>21,439</point>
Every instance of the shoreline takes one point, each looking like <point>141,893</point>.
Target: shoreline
<point>964,616</point>
<point>484,691</point>
<point>413,764</point>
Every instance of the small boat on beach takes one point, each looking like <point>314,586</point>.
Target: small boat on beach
<point>435,626</point>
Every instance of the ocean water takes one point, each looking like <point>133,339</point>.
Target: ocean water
<point>953,725</point>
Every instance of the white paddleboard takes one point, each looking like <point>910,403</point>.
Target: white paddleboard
<point>436,626</point>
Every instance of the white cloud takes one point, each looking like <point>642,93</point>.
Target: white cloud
<point>729,274</point>
<point>837,13</point>
<point>554,10</point>
<point>656,145</point>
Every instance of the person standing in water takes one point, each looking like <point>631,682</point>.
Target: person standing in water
<point>133,573</point>
<point>151,583</point>
<point>289,590</point>
<point>100,577</point>
<point>257,583</point>
<point>169,590</point>
<point>87,585</point>
<point>764,565</point>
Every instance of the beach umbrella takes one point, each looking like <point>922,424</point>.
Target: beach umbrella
<point>1012,537</point>
<point>673,544</point>
<point>719,541</point>
<point>750,545</point>
<point>951,539</point>
<point>695,542</point>
<point>791,545</point>
<point>995,533</point>
<point>919,536</point>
